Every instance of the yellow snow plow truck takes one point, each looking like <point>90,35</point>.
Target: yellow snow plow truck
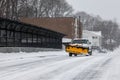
<point>79,46</point>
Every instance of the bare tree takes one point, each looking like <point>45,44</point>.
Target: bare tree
<point>13,9</point>
<point>2,7</point>
<point>8,9</point>
<point>24,9</point>
<point>110,29</point>
<point>54,8</point>
<point>87,20</point>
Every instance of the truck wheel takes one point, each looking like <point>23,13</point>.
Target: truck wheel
<point>90,53</point>
<point>70,54</point>
<point>75,54</point>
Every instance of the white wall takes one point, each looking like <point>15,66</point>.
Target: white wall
<point>93,37</point>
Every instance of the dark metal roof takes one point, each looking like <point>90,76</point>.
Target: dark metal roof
<point>31,25</point>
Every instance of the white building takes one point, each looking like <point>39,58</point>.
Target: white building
<point>95,37</point>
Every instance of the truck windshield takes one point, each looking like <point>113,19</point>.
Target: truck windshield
<point>80,41</point>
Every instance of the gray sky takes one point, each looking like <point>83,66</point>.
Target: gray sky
<point>107,9</point>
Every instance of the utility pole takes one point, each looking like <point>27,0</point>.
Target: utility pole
<point>79,28</point>
<point>78,31</point>
<point>76,28</point>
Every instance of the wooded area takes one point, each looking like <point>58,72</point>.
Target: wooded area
<point>13,9</point>
<point>109,28</point>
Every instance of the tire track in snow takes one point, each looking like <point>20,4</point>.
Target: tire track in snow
<point>94,72</point>
<point>19,67</point>
<point>81,71</point>
<point>49,74</point>
<point>42,69</point>
<point>22,61</point>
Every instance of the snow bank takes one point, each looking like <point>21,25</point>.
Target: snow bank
<point>21,55</point>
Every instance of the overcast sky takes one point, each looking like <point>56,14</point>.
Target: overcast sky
<point>107,9</point>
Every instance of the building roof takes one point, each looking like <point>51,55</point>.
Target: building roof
<point>60,24</point>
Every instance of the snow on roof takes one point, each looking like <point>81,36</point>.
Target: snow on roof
<point>98,33</point>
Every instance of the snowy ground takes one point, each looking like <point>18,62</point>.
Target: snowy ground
<point>57,65</point>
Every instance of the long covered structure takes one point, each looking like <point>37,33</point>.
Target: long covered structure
<point>18,34</point>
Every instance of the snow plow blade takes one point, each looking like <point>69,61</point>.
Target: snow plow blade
<point>76,50</point>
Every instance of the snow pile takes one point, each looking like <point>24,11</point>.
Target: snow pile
<point>113,69</point>
<point>116,51</point>
<point>21,55</point>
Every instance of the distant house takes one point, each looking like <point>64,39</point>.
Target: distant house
<point>64,25</point>
<point>95,37</point>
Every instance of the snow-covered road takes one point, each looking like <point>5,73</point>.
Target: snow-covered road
<point>59,66</point>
